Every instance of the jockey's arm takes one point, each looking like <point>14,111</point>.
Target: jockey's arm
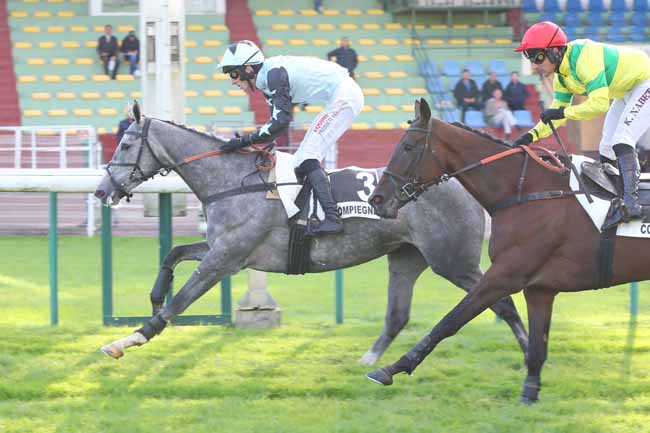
<point>561,98</point>
<point>280,101</point>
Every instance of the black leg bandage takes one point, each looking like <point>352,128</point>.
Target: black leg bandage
<point>153,327</point>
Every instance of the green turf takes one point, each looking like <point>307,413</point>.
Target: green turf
<point>302,377</point>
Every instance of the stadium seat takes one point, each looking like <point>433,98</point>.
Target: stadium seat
<point>640,6</point>
<point>595,19</point>
<point>617,6</point>
<point>573,6</point>
<point>637,34</point>
<point>571,33</point>
<point>614,34</point>
<point>498,66</point>
<point>524,118</point>
<point>617,19</point>
<point>428,69</point>
<point>571,21</point>
<point>551,6</point>
<point>591,33</point>
<point>475,68</point>
<point>529,6</point>
<point>435,85</point>
<point>474,119</point>
<point>639,19</point>
<point>451,68</point>
<point>596,6</point>
<point>549,16</point>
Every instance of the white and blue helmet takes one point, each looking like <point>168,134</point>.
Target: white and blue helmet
<point>239,54</point>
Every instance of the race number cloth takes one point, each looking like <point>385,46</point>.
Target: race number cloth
<point>597,210</point>
<point>351,188</point>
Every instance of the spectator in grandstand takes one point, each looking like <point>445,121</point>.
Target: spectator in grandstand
<point>467,94</point>
<point>288,80</point>
<point>516,93</point>
<point>490,85</point>
<point>497,114</point>
<point>123,126</point>
<point>345,56</point>
<point>131,51</point>
<point>318,6</point>
<point>107,50</point>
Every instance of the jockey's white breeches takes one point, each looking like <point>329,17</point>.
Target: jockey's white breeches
<point>332,122</point>
<point>627,119</point>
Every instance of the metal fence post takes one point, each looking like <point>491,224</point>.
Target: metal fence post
<point>165,232</point>
<point>226,300</point>
<point>339,295</point>
<point>107,265</point>
<point>634,299</point>
<point>54,260</point>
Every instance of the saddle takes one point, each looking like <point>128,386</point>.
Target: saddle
<point>299,237</point>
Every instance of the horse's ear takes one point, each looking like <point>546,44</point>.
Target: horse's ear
<point>425,111</point>
<point>135,111</point>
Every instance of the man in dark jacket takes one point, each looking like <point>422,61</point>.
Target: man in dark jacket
<point>131,50</point>
<point>107,49</point>
<point>345,56</point>
<point>466,94</point>
<point>516,93</point>
<point>487,91</point>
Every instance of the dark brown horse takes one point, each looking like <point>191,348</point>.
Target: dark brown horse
<point>543,246</point>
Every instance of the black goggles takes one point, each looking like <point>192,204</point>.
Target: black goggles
<point>536,55</point>
<point>234,73</point>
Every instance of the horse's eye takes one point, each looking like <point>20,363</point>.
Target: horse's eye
<point>408,147</point>
<point>125,146</point>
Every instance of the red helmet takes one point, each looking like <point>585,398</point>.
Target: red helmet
<point>543,35</point>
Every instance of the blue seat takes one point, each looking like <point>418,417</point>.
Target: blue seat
<point>573,6</point>
<point>640,6</point>
<point>617,19</point>
<point>529,6</point>
<point>480,79</point>
<point>475,68</point>
<point>551,6</point>
<point>595,19</point>
<point>549,16</point>
<point>617,6</point>
<point>637,34</point>
<point>596,6</point>
<point>571,20</point>
<point>474,119</point>
<point>571,33</point>
<point>504,80</point>
<point>428,69</point>
<point>498,67</point>
<point>639,19</point>
<point>524,118</point>
<point>451,68</point>
<point>451,115</point>
<point>614,34</point>
<point>591,33</point>
<point>435,85</point>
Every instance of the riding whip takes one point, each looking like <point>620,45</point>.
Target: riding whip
<point>566,154</point>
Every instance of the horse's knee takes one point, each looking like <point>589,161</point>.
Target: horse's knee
<point>395,324</point>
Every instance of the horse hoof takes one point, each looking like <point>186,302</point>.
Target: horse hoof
<point>369,358</point>
<point>527,400</point>
<point>381,377</point>
<point>113,351</point>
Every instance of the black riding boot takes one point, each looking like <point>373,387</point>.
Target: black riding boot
<point>321,185</point>
<point>628,165</point>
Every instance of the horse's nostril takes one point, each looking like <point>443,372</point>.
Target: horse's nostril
<point>377,200</point>
<point>100,193</point>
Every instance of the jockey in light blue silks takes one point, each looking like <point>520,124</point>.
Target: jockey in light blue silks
<point>288,80</point>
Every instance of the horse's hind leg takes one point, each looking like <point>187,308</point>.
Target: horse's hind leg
<point>405,266</point>
<point>540,309</point>
<point>165,277</point>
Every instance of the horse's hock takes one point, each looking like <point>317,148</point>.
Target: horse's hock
<point>257,308</point>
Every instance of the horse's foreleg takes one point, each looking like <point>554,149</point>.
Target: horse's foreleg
<point>490,289</point>
<point>405,266</point>
<point>165,277</point>
<point>540,310</point>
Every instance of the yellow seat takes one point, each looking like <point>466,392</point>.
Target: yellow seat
<point>211,43</point>
<point>389,41</point>
<point>297,42</point>
<point>502,41</point>
<point>353,12</point>
<point>41,95</point>
<point>57,112</point>
<point>236,92</point>
<point>91,95</point>
<point>397,74</point>
<point>22,44</point>
<point>375,12</point>
<point>362,58</point>
<point>279,27</point>
<point>27,79</point>
<point>286,12</point>
<point>320,42</point>
<point>46,132</point>
<point>200,128</point>
<point>219,76</point>
<point>202,60</point>
<point>371,26</point>
<point>460,26</point>
<point>366,41</point>
<point>207,110</point>
<point>484,26</point>
<point>374,75</point>
<point>65,95</point>
<point>479,41</point>
<point>314,108</point>
<point>387,108</point>
<point>385,125</point>
<point>70,44</point>
<point>212,93</point>
<point>231,110</point>
<point>380,58</point>
<point>394,91</point>
<point>348,26</point>
<point>392,26</point>
<point>411,41</point>
<point>125,28</point>
<point>136,94</point>
<point>84,61</point>
<point>107,112</point>
<point>64,14</point>
<point>438,27</point>
<point>263,12</point>
<point>404,125</point>
<point>435,41</point>
<point>188,110</point>
<point>99,29</point>
<point>60,61</point>
<point>191,93</point>
<point>55,1</point>
<point>360,126</point>
<point>32,113</point>
<point>101,77</point>
<point>195,28</point>
<point>218,28</point>
<point>56,29</point>
<point>407,108</point>
<point>274,42</point>
<point>82,112</point>
<point>91,44</point>
<point>76,78</point>
<point>31,1</point>
<point>330,12</point>
<point>197,77</point>
<point>370,91</point>
<point>223,129</point>
<point>404,58</point>
<point>457,41</point>
<point>124,77</point>
<point>326,27</point>
<point>304,27</point>
<point>115,95</point>
<point>52,78</point>
<point>35,61</point>
<point>31,29</point>
<point>308,12</point>
<point>190,43</point>
<point>18,14</point>
<point>42,14</point>
<point>367,109</point>
<point>417,91</point>
<point>79,29</point>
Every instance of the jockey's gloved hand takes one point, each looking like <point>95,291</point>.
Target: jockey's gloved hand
<point>552,114</point>
<point>236,143</point>
<point>527,138</point>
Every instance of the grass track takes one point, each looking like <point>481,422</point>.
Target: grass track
<point>302,377</point>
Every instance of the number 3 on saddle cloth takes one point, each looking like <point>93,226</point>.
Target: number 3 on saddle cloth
<point>351,188</point>
<point>605,186</point>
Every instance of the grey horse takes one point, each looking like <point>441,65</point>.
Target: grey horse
<point>249,231</point>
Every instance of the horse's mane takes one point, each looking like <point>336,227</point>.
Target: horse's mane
<point>482,134</point>
<point>195,131</point>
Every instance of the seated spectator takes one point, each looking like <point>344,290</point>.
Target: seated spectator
<point>131,51</point>
<point>497,113</point>
<point>487,91</point>
<point>107,49</point>
<point>345,56</point>
<point>516,93</point>
<point>123,126</point>
<point>467,94</point>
